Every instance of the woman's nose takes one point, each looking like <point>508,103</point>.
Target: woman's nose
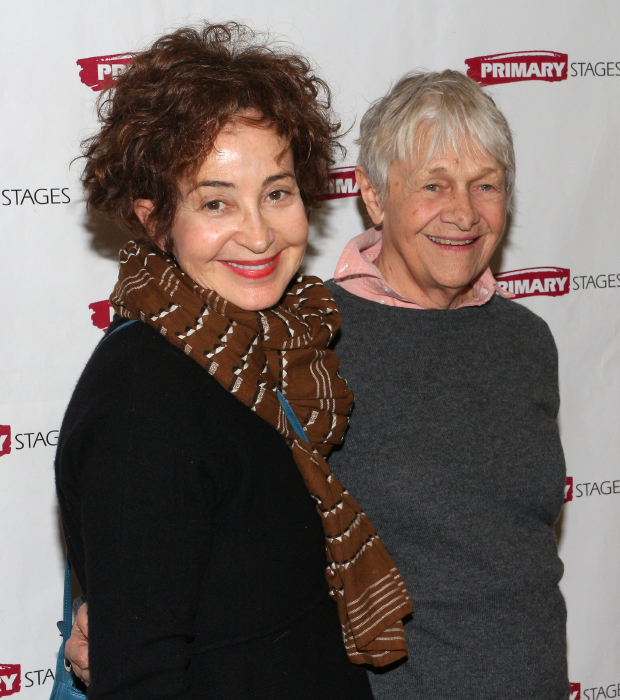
<point>256,234</point>
<point>461,211</point>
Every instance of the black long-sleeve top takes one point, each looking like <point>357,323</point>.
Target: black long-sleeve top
<point>190,529</point>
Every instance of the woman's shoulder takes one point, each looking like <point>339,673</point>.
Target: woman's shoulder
<point>517,314</point>
<point>131,345</point>
<point>135,371</point>
<point>526,332</point>
<point>140,395</point>
<point>133,353</point>
<point>135,376</point>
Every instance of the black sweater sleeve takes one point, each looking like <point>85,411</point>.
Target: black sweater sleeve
<point>137,511</point>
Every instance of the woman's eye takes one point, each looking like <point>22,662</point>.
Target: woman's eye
<point>486,188</point>
<point>431,188</point>
<point>277,195</point>
<point>214,205</point>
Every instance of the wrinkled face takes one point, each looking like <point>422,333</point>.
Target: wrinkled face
<point>442,221</point>
<point>241,227</point>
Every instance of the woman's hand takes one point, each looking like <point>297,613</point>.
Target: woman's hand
<point>76,648</point>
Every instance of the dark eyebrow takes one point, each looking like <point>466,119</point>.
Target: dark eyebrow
<point>279,176</point>
<point>222,183</point>
<point>211,183</point>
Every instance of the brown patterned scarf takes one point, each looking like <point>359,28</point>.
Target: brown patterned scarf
<point>251,354</point>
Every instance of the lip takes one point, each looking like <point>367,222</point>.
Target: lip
<point>460,247</point>
<point>248,268</point>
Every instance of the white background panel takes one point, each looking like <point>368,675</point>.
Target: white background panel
<point>56,260</point>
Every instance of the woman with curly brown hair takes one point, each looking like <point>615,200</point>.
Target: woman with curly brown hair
<point>196,502</point>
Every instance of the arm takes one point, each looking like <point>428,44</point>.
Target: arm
<point>145,519</point>
<point>76,648</point>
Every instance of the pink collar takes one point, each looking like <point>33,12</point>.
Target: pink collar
<point>357,273</point>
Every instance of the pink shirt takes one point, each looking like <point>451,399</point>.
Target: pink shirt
<point>357,273</point>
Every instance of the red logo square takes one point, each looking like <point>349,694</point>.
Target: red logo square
<point>102,314</point>
<point>568,491</point>
<point>5,440</point>
<point>10,679</point>
<point>575,691</point>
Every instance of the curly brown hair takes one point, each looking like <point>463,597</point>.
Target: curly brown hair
<point>160,118</point>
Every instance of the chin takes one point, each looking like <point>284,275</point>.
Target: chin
<point>261,301</point>
<point>458,280</point>
<point>457,285</point>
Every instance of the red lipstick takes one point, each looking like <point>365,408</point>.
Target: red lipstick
<point>253,269</point>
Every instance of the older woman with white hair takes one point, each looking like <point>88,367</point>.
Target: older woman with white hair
<point>453,449</point>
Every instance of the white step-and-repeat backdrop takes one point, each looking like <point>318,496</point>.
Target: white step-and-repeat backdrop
<point>554,69</point>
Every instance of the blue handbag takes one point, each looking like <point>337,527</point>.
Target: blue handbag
<point>64,681</point>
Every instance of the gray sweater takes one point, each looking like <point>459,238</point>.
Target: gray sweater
<point>454,454</point>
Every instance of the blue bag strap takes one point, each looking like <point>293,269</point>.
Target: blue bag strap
<point>67,619</point>
<point>123,325</point>
<point>292,418</point>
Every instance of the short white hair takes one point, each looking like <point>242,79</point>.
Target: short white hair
<point>448,107</point>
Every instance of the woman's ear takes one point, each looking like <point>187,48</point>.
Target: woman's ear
<point>369,195</point>
<point>142,208</point>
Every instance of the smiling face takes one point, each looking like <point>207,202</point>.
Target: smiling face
<point>441,223</point>
<point>240,226</point>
